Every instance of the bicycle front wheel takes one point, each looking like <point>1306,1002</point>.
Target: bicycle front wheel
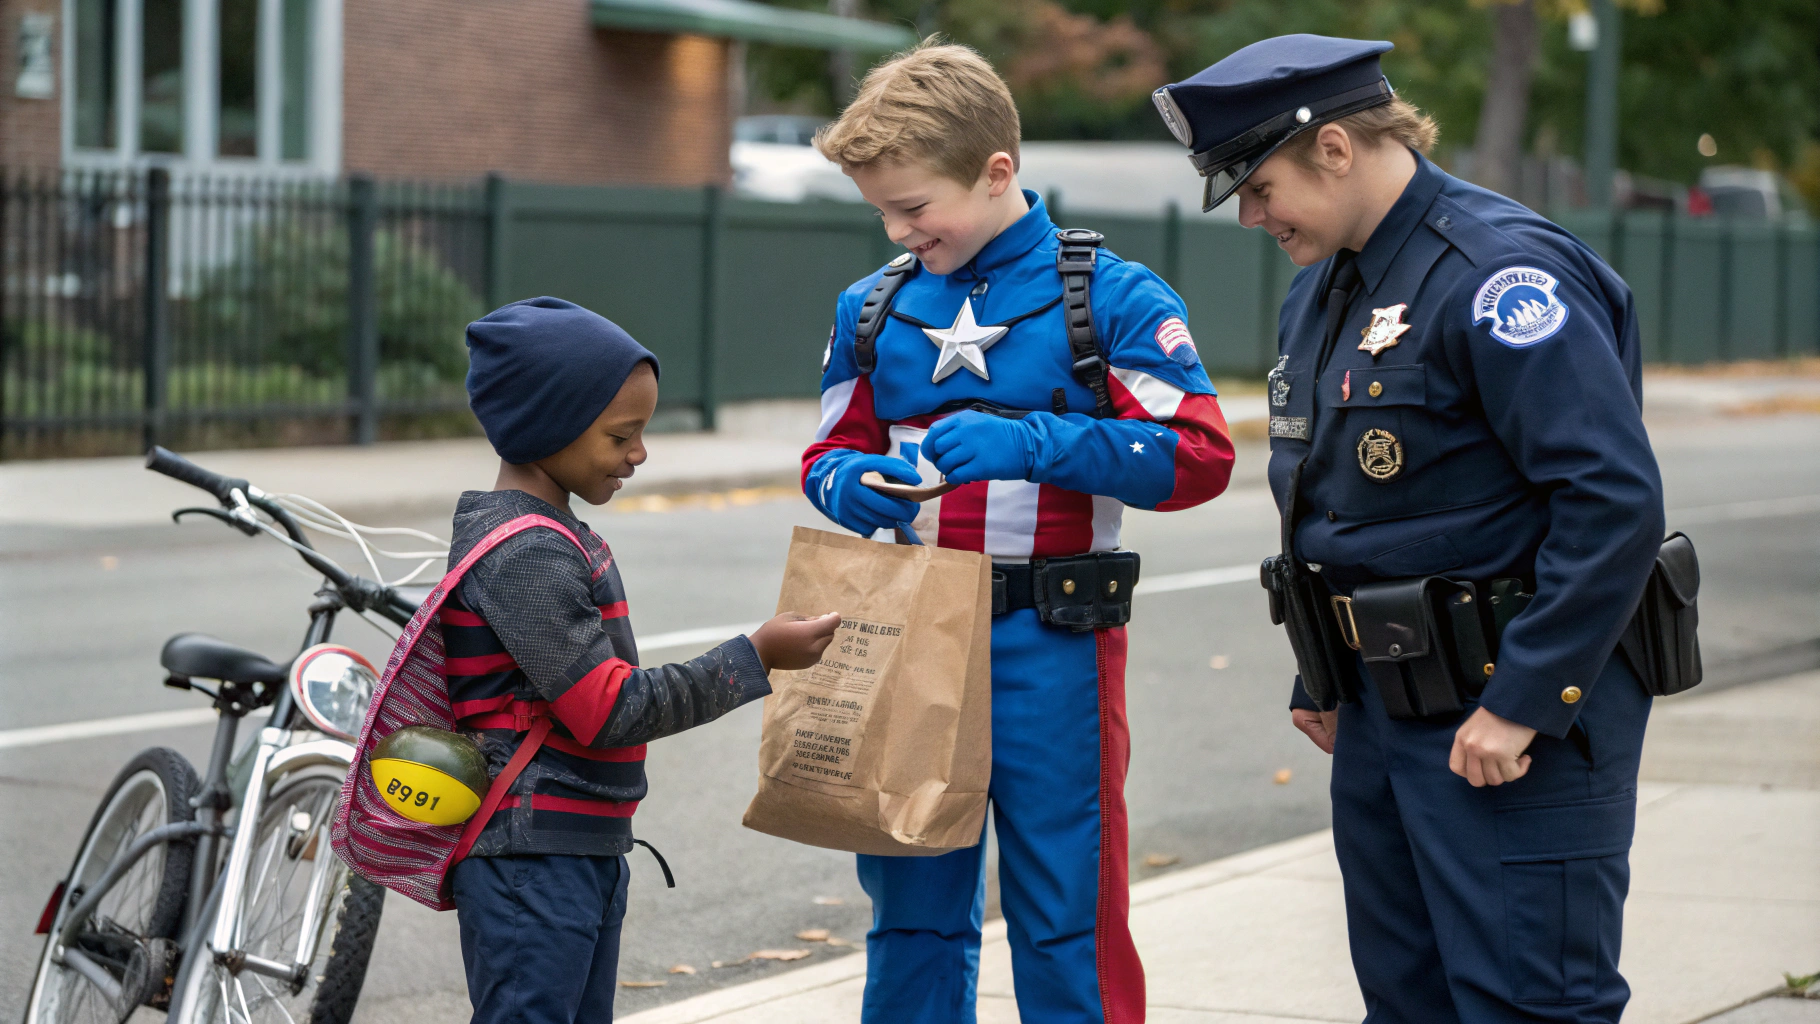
<point>128,935</point>
<point>293,879</point>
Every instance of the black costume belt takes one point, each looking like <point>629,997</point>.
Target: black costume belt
<point>1080,592</point>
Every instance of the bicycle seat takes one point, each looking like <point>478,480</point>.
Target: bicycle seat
<point>413,594</point>
<point>201,656</point>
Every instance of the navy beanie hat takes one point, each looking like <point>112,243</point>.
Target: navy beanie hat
<point>540,371</point>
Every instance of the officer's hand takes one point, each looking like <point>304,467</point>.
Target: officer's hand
<point>860,508</point>
<point>1489,751</point>
<point>791,641</point>
<point>972,446</point>
<point>1321,726</point>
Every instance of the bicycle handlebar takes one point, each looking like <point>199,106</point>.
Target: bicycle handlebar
<point>163,460</point>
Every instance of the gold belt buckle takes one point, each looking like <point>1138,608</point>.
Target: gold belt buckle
<point>1346,621</point>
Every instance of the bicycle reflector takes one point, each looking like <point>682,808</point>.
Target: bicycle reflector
<point>333,685</point>
<point>430,775</point>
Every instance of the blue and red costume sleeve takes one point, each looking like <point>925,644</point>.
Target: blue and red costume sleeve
<point>849,424</point>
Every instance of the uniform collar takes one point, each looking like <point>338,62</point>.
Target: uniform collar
<point>1387,240</point>
<point>1025,234</point>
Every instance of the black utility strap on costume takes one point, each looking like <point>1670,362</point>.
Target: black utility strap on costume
<point>876,308</point>
<point>1074,260</point>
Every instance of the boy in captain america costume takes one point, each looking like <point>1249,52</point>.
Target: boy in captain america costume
<point>1054,384</point>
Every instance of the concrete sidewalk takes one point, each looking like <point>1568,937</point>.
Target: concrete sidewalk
<point>1725,896</point>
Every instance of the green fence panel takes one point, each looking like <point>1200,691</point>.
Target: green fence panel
<point>1138,239</point>
<point>1800,291</point>
<point>1223,275</point>
<point>1751,291</point>
<point>782,267</point>
<point>633,255</point>
<point>1643,246</point>
<point>1695,307</point>
<point>1598,229</point>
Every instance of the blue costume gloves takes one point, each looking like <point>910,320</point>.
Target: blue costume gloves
<point>972,446</point>
<point>860,508</point>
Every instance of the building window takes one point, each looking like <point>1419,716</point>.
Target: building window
<point>208,80</point>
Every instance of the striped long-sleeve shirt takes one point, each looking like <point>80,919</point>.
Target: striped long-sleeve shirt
<point>533,621</point>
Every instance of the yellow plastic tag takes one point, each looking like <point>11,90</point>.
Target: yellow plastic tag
<point>422,793</point>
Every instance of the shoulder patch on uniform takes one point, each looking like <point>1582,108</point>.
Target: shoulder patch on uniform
<point>1172,335</point>
<point>1521,304</point>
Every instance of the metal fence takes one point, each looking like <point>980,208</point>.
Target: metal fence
<point>291,312</point>
<point>139,308</point>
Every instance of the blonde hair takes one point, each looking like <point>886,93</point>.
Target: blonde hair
<point>1397,121</point>
<point>939,105</point>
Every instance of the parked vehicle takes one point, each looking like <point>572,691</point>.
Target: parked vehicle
<point>217,897</point>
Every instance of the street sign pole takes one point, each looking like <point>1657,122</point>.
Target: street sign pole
<point>1602,105</point>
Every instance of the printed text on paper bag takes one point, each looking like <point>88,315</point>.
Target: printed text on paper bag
<point>835,696</point>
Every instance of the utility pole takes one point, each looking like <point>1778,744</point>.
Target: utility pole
<point>1602,104</point>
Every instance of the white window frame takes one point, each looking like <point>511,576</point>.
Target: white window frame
<point>201,88</point>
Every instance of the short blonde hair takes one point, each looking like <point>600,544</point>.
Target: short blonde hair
<point>939,105</point>
<point>1397,121</point>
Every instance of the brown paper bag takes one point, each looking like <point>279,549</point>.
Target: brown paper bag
<point>885,746</point>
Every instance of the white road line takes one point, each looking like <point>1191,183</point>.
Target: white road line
<point>42,734</point>
<point>690,637</point>
<point>1767,508</point>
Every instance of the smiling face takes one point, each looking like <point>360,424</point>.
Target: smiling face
<point>596,464</point>
<point>1306,209</point>
<point>942,221</point>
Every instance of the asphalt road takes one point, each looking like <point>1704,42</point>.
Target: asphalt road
<point>83,613</point>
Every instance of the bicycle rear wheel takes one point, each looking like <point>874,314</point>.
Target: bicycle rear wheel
<point>292,869</point>
<point>141,912</point>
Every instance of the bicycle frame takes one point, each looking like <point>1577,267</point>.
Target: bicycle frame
<point>285,745</point>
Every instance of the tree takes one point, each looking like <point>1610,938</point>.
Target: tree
<point>1504,114</point>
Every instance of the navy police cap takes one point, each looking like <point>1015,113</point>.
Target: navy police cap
<point>1233,115</point>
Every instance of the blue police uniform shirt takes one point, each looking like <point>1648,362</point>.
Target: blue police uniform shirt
<point>1501,435</point>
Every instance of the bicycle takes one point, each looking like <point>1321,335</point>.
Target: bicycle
<point>217,898</point>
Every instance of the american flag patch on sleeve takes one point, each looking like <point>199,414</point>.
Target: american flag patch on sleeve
<point>1172,336</point>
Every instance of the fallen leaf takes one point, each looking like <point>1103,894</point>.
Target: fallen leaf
<point>835,940</point>
<point>812,935</point>
<point>1161,860</point>
<point>109,563</point>
<point>779,954</point>
<point>726,963</point>
<point>643,984</point>
<point>1282,776</point>
<point>1220,661</point>
<point>829,901</point>
<point>682,969</point>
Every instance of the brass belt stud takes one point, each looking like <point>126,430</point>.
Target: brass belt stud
<point>1067,586</point>
<point>1112,587</point>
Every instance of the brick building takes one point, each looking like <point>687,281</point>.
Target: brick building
<point>575,91</point>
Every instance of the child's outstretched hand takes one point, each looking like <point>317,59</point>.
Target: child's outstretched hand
<point>791,641</point>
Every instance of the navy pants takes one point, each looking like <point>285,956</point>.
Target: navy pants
<point>1493,905</point>
<point>540,937</point>
<point>1060,747</point>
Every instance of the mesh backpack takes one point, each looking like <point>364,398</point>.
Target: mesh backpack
<point>409,857</point>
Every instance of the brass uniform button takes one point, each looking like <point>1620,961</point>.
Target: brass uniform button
<point>1067,586</point>
<point>1489,669</point>
<point>1375,390</point>
<point>1332,516</point>
<point>1571,694</point>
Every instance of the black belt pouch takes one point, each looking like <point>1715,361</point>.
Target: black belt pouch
<point>1086,591</point>
<point>1661,640</point>
<point>1423,641</point>
<point>1299,602</point>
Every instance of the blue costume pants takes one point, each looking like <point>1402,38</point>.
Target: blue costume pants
<point>1493,905</point>
<point>1060,748</point>
<point>540,937</point>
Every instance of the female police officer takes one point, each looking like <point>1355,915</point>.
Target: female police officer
<point>1470,503</point>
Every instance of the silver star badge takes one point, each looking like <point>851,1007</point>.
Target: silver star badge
<point>964,344</point>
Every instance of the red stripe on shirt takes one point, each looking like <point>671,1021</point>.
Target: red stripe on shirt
<point>457,617</point>
<point>479,665</point>
<point>1064,522</point>
<point>961,523</point>
<point>616,610</point>
<point>570,805</point>
<point>584,707</point>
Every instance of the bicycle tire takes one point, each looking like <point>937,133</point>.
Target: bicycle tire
<point>155,775</point>
<point>356,929</point>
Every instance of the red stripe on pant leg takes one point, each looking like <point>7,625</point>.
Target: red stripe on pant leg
<point>1121,972</point>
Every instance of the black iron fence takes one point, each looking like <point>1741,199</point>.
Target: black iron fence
<point>139,307</point>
